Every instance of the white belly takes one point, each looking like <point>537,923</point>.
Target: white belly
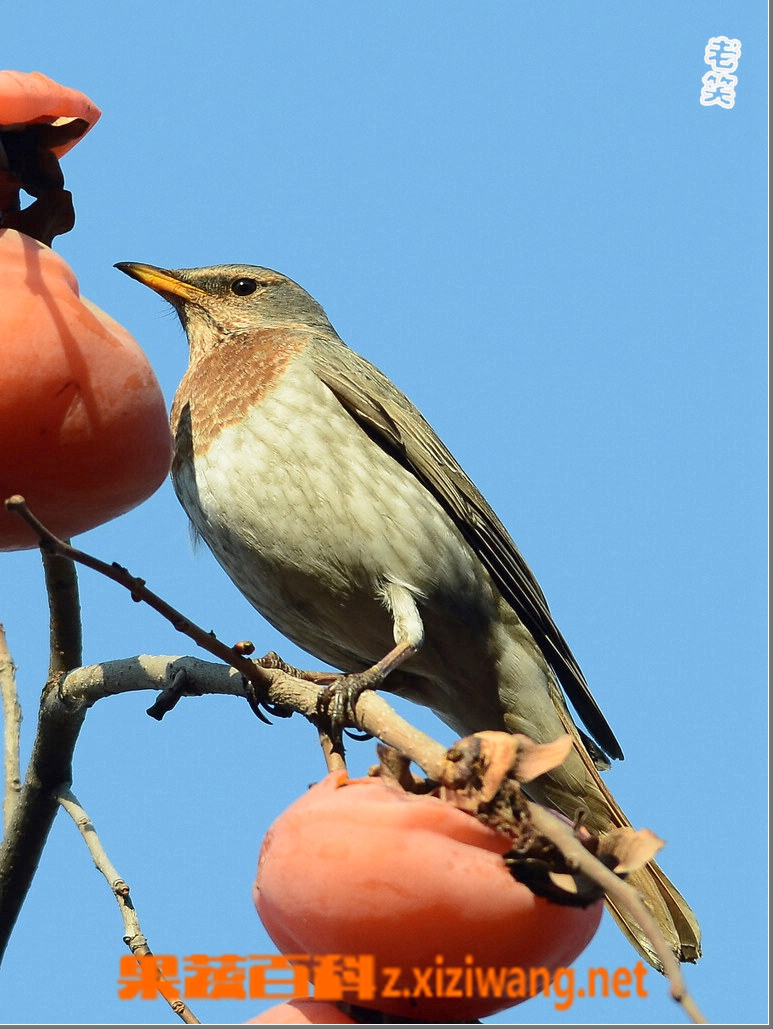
<point>311,518</point>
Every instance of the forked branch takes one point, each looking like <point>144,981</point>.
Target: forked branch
<point>281,689</point>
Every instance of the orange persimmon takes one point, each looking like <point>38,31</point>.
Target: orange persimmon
<point>360,867</point>
<point>306,1011</point>
<point>28,98</point>
<point>84,433</point>
<point>40,120</point>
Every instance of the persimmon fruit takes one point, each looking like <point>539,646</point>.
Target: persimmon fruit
<point>31,98</point>
<point>40,120</point>
<point>360,867</point>
<point>305,1011</point>
<point>84,432</point>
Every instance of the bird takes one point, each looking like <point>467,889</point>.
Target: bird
<point>333,506</point>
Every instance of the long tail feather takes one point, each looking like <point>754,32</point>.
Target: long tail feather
<point>576,787</point>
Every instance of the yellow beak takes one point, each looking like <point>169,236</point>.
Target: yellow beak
<point>162,281</point>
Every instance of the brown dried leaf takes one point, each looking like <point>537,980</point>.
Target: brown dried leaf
<point>483,761</point>
<point>537,758</point>
<point>630,848</point>
<point>494,754</point>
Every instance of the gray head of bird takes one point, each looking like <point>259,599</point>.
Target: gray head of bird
<point>217,303</point>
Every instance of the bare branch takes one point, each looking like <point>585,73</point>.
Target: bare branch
<point>332,753</point>
<point>375,716</point>
<point>30,821</point>
<point>27,830</point>
<point>283,688</point>
<point>134,938</point>
<point>51,544</point>
<point>65,628</point>
<point>624,894</point>
<point>85,686</point>
<point>12,729</point>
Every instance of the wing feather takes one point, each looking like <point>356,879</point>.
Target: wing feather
<point>397,426</point>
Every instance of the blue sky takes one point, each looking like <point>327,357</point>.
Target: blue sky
<point>525,217</point>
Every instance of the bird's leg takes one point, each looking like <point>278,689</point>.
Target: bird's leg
<point>341,696</point>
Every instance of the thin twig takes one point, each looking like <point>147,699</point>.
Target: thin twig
<point>11,729</point>
<point>258,676</point>
<point>134,938</point>
<point>332,752</point>
<point>624,894</point>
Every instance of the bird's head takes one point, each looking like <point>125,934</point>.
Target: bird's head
<point>218,303</point>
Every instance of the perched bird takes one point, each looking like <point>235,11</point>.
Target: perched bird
<point>340,515</point>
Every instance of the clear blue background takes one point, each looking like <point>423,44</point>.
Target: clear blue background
<point>524,216</point>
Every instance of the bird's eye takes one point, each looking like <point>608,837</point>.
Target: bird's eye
<point>243,287</point>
